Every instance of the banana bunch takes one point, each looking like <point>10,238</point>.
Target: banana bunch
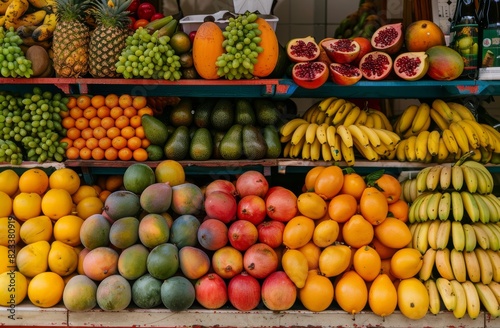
<point>335,129</point>
<point>34,20</point>
<point>456,132</point>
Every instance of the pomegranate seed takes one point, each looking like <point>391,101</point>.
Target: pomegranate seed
<point>386,37</point>
<point>375,66</point>
<point>303,49</point>
<point>408,65</point>
<point>343,45</point>
<point>308,70</point>
<point>346,70</point>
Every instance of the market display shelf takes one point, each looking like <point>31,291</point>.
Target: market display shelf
<point>26,314</point>
<point>276,88</point>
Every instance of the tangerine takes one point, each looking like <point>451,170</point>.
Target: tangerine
<point>125,154</point>
<point>83,101</point>
<point>97,101</point>
<point>125,101</point>
<point>399,209</point>
<point>390,187</point>
<point>329,182</point>
<point>354,185</point>
<point>357,231</point>
<point>170,171</point>
<point>342,207</point>
<point>311,176</point>
<point>111,100</point>
<point>65,178</point>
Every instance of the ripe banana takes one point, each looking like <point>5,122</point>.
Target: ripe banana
<point>334,107</point>
<point>444,207</point>
<point>470,206</point>
<point>43,3</point>
<point>443,235</point>
<point>472,264</point>
<point>445,177</point>
<point>449,141</point>
<point>352,116</point>
<point>325,103</point>
<point>458,265</point>
<point>341,114</point>
<point>378,123</point>
<point>434,298</point>
<point>460,136</point>
<point>4,6</point>
<point>406,119</point>
<point>309,112</point>
<point>421,240</point>
<point>457,206</point>
<point>361,119</point>
<point>443,109</point>
<point>495,288</point>
<point>428,262</point>
<point>299,133</point>
<point>31,19</point>
<point>45,31</point>
<point>336,149</point>
<point>433,178</point>
<point>320,118</point>
<point>347,154</point>
<point>315,150</point>
<point>485,265</point>
<point>470,132</point>
<point>433,206</point>
<point>470,237</point>
<point>440,121</point>
<point>484,139</point>
<point>15,10</point>
<point>446,292</point>
<point>311,133</point>
<point>289,127</point>
<point>461,304</point>
<point>422,208</point>
<point>359,135</point>
<point>387,124</point>
<point>421,179</point>
<point>484,170</point>
<point>443,152</point>
<point>400,150</point>
<point>457,236</point>
<point>488,299</point>
<point>420,118</point>
<point>495,264</point>
<point>346,136</point>
<point>330,135</point>
<point>410,154</point>
<point>432,141</point>
<point>484,211</point>
<point>306,151</point>
<point>326,153</point>
<point>286,149</point>
<point>457,177</point>
<point>463,111</point>
<point>367,151</point>
<point>297,149</point>
<point>321,133</point>
<point>493,235</point>
<point>472,298</point>
<point>372,136</point>
<point>494,214</point>
<point>421,145</point>
<point>470,179</point>
<point>432,234</point>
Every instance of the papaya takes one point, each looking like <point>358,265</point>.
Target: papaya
<point>207,47</point>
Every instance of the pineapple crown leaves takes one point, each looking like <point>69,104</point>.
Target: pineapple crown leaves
<point>72,10</point>
<point>111,12</point>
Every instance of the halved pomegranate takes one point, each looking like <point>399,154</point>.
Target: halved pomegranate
<point>302,49</point>
<point>388,38</point>
<point>344,74</point>
<point>342,51</point>
<point>310,75</point>
<point>375,65</point>
<point>411,66</point>
<point>365,47</point>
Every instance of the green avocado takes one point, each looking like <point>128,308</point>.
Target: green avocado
<point>231,146</point>
<point>245,113</point>
<point>272,138</point>
<point>201,146</point>
<point>222,116</point>
<point>177,146</point>
<point>155,130</point>
<point>254,145</point>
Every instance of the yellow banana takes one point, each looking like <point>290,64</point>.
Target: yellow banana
<point>289,127</point>
<point>432,234</point>
<point>445,177</point>
<point>444,207</point>
<point>406,119</point>
<point>481,237</point>
<point>495,264</point>
<point>306,151</point>
<point>481,133</point>
<point>495,288</point>
<point>421,239</point>
<point>433,206</point>
<point>440,121</point>
<point>493,240</point>
<point>410,149</point>
<point>470,237</point>
<point>358,135</point>
<point>314,115</point>
<point>485,265</point>
<point>361,119</point>
<point>311,133</point>
<point>470,178</point>
<point>450,141</point>
<point>372,136</point>
<point>484,216</point>
<point>320,118</point>
<point>472,298</point>
<point>315,150</point>
<point>367,151</point>
<point>455,116</point>
<point>457,177</point>
<point>2,20</point>
<point>446,292</point>
<point>494,137</point>
<point>4,5</point>
<point>434,298</point>
<point>401,150</point>
<point>43,4</point>
<point>308,112</point>
<point>443,109</point>
<point>321,133</point>
<point>421,117</point>
<point>421,145</point>
<point>46,30</point>
<point>352,116</point>
<point>460,136</point>
<point>432,141</point>
<point>428,261</point>
<point>470,132</point>
<point>30,19</point>
<point>432,181</point>
<point>444,234</point>
<point>461,306</point>
<point>326,153</point>
<point>286,149</point>
<point>472,264</point>
<point>325,103</point>
<point>488,299</point>
<point>463,111</point>
<point>494,214</point>
<point>387,124</point>
<point>384,137</point>
<point>330,135</point>
<point>378,123</point>
<point>470,206</point>
<point>443,151</point>
<point>334,107</point>
<point>486,173</point>
<point>336,149</point>
<point>370,122</point>
<point>15,10</point>
<point>457,236</point>
<point>458,265</point>
<point>342,113</point>
<point>346,136</point>
<point>347,153</point>
<point>297,148</point>
<point>299,133</point>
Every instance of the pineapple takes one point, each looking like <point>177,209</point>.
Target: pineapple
<point>108,39</point>
<point>71,39</point>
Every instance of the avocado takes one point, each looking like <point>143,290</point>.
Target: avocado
<point>201,146</point>
<point>155,152</point>
<point>202,112</point>
<point>155,130</point>
<point>182,113</point>
<point>254,145</point>
<point>231,146</point>
<point>222,116</point>
<point>217,138</point>
<point>244,112</point>
<point>272,138</point>
<point>177,146</point>
<point>266,112</point>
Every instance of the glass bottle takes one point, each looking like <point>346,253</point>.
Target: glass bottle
<point>464,33</point>
<point>489,38</point>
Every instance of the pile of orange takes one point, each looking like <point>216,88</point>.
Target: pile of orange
<point>106,127</point>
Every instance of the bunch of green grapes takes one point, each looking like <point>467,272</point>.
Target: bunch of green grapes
<point>12,60</point>
<point>34,121</point>
<point>148,56</point>
<point>10,152</point>
<point>242,39</point>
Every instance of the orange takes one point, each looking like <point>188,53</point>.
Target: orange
<point>99,132</point>
<point>83,192</point>
<point>85,153</point>
<point>382,296</point>
<point>103,195</point>
<point>34,180</point>
<point>125,154</point>
<point>114,182</point>
<point>76,112</point>
<point>134,143</point>
<point>56,203</point>
<point>67,230</point>
<point>87,133</point>
<point>354,184</point>
<point>342,207</point>
<point>140,155</point>
<point>373,205</point>
<point>97,188</point>
<point>119,142</point>
<point>92,143</point>
<point>72,153</point>
<point>79,143</point>
<point>89,112</point>
<point>111,100</point>
<point>9,181</point>
<point>311,205</point>
<point>129,111</point>
<point>65,178</point>
<point>107,122</point>
<point>399,210</point>
<point>334,259</point>
<point>139,102</point>
<point>104,143</point>
<point>357,231</point>
<point>317,293</point>
<point>97,154</point>
<point>66,140</point>
<point>68,122</point>
<point>367,263</point>
<point>83,101</point>
<point>122,121</point>
<point>406,263</point>
<point>71,102</point>
<point>103,111</point>
<point>111,154</point>
<point>89,206</point>
<point>6,204</point>
<point>135,121</point>
<point>145,110</point>
<point>390,187</point>
<point>113,132</point>
<point>116,112</point>
<point>46,289</point>
<point>311,176</point>
<point>64,113</point>
<point>145,143</point>
<point>383,251</point>
<point>298,232</point>
<point>97,101</point>
<point>170,171</point>
<point>391,227</point>
<point>329,182</point>
<point>139,131</point>
<point>351,292</point>
<point>13,297</point>
<point>125,101</point>
<point>82,123</point>
<point>95,122</point>
<point>27,205</point>
<point>127,132</point>
<point>73,133</point>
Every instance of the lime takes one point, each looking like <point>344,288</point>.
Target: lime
<point>155,152</point>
